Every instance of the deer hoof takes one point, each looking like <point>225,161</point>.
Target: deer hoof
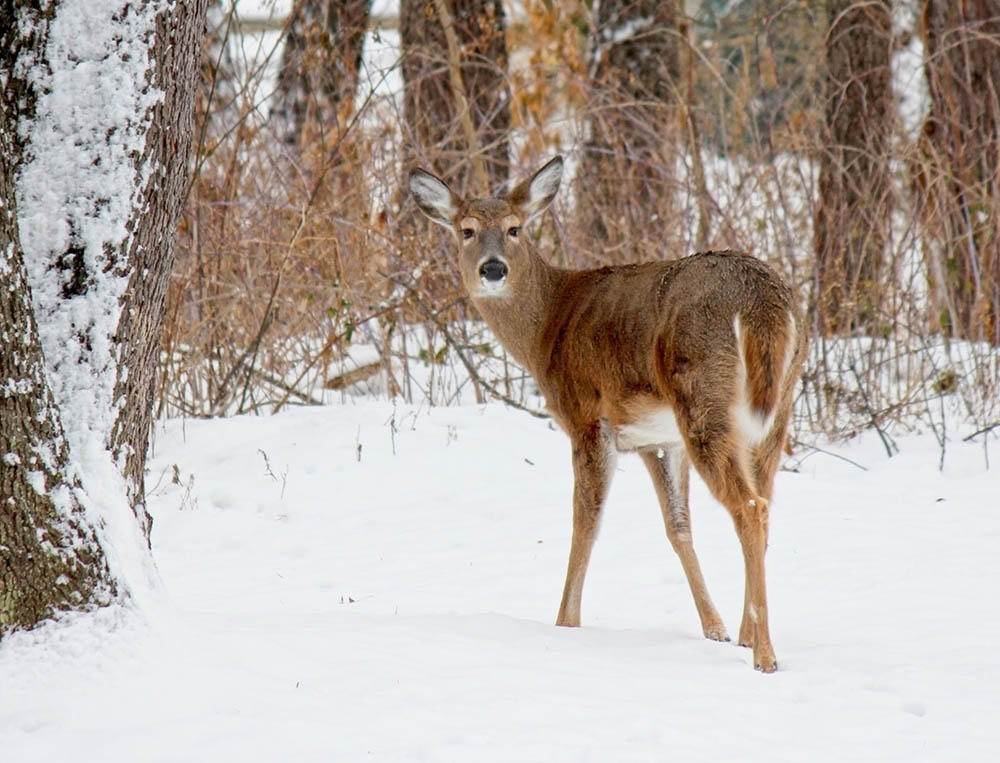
<point>765,663</point>
<point>716,632</point>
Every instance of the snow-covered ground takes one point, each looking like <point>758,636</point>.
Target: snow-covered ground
<point>372,581</point>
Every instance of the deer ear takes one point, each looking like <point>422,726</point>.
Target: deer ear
<point>434,197</point>
<point>537,192</point>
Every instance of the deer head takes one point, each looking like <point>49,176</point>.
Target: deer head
<point>494,260</point>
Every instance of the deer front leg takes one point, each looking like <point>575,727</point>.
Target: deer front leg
<point>746,624</point>
<point>593,463</point>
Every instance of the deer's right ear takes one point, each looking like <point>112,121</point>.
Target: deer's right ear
<point>537,192</point>
<point>434,197</point>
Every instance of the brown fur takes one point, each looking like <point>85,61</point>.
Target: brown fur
<point>613,346</point>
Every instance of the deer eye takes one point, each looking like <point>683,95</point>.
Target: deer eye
<point>468,233</point>
<point>512,232</point>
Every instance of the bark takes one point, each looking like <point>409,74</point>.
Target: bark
<point>320,64</point>
<point>627,164</point>
<point>50,559</point>
<point>431,98</point>
<point>959,185</point>
<point>852,218</point>
<point>176,55</point>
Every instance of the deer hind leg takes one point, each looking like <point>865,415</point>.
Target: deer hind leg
<point>765,459</point>
<point>593,464</point>
<point>669,469</point>
<point>722,460</point>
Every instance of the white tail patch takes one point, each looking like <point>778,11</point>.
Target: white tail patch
<point>753,424</point>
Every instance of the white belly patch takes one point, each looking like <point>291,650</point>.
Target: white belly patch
<point>656,428</point>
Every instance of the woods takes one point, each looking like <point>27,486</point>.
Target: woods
<point>776,129</point>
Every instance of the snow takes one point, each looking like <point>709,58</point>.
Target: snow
<point>374,580</point>
<point>75,193</point>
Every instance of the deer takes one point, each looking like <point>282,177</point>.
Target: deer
<point>689,361</point>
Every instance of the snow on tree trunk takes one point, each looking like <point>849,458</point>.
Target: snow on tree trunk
<point>50,559</point>
<point>97,111</point>
<point>49,556</point>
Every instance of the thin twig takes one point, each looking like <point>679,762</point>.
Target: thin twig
<point>450,341</point>
<point>830,453</point>
<point>265,324</point>
<point>327,346</point>
<point>886,440</point>
<point>984,430</point>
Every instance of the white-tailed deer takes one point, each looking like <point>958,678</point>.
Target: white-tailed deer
<point>689,361</point>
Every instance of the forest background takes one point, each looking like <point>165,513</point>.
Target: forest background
<point>852,145</point>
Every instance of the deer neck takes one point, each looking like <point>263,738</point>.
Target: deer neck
<point>517,320</point>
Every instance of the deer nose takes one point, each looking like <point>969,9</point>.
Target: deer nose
<point>493,270</point>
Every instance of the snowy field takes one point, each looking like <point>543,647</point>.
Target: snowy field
<point>382,586</point>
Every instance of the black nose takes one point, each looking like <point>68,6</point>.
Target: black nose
<point>493,270</point>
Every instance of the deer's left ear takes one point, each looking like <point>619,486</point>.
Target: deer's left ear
<point>434,197</point>
<point>537,192</point>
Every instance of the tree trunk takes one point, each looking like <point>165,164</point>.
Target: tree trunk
<point>438,77</point>
<point>852,219</point>
<point>627,167</point>
<point>176,59</point>
<point>959,183</point>
<point>97,193</point>
<point>49,557</point>
<point>319,69</point>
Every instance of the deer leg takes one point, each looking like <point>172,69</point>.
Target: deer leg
<point>722,461</point>
<point>751,526</point>
<point>746,624</point>
<point>766,458</point>
<point>593,463</point>
<point>670,472</point>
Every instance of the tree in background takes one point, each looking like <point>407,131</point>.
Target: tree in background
<point>855,199</point>
<point>91,198</point>
<point>959,183</point>
<point>456,94</point>
<point>628,157</point>
<point>321,58</point>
